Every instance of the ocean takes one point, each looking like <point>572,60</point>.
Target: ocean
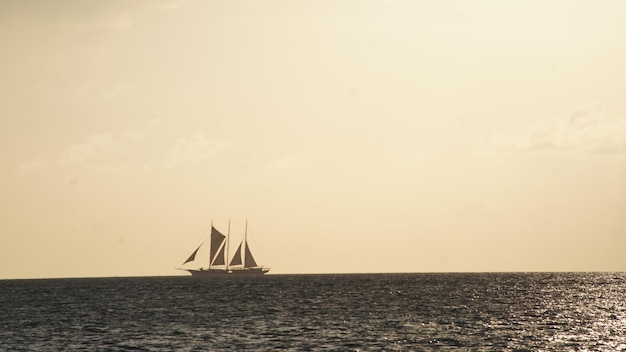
<point>360,312</point>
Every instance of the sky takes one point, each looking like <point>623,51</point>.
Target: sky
<point>353,136</point>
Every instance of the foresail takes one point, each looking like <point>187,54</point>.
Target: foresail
<point>249,262</point>
<point>193,255</point>
<point>216,241</point>
<point>236,257</point>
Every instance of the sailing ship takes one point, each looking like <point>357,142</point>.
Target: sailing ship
<point>242,262</point>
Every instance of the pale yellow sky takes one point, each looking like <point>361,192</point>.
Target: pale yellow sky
<point>355,136</point>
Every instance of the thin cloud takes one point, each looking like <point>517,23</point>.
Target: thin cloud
<point>591,130</point>
<point>97,145</point>
<point>34,164</point>
<point>192,150</point>
<point>99,150</point>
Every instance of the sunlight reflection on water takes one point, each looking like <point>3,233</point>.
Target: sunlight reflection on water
<point>548,312</point>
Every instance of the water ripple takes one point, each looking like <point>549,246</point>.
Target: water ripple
<point>398,312</point>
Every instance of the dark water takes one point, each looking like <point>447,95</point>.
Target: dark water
<point>391,312</point>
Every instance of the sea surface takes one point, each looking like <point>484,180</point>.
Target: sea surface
<point>365,312</point>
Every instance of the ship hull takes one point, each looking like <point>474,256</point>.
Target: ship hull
<point>250,272</point>
<point>208,273</point>
<point>225,273</point>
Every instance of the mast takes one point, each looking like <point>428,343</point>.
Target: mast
<point>227,243</point>
<point>245,244</point>
<point>211,244</point>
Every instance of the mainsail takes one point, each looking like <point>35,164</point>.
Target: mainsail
<point>248,260</point>
<point>217,258</point>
